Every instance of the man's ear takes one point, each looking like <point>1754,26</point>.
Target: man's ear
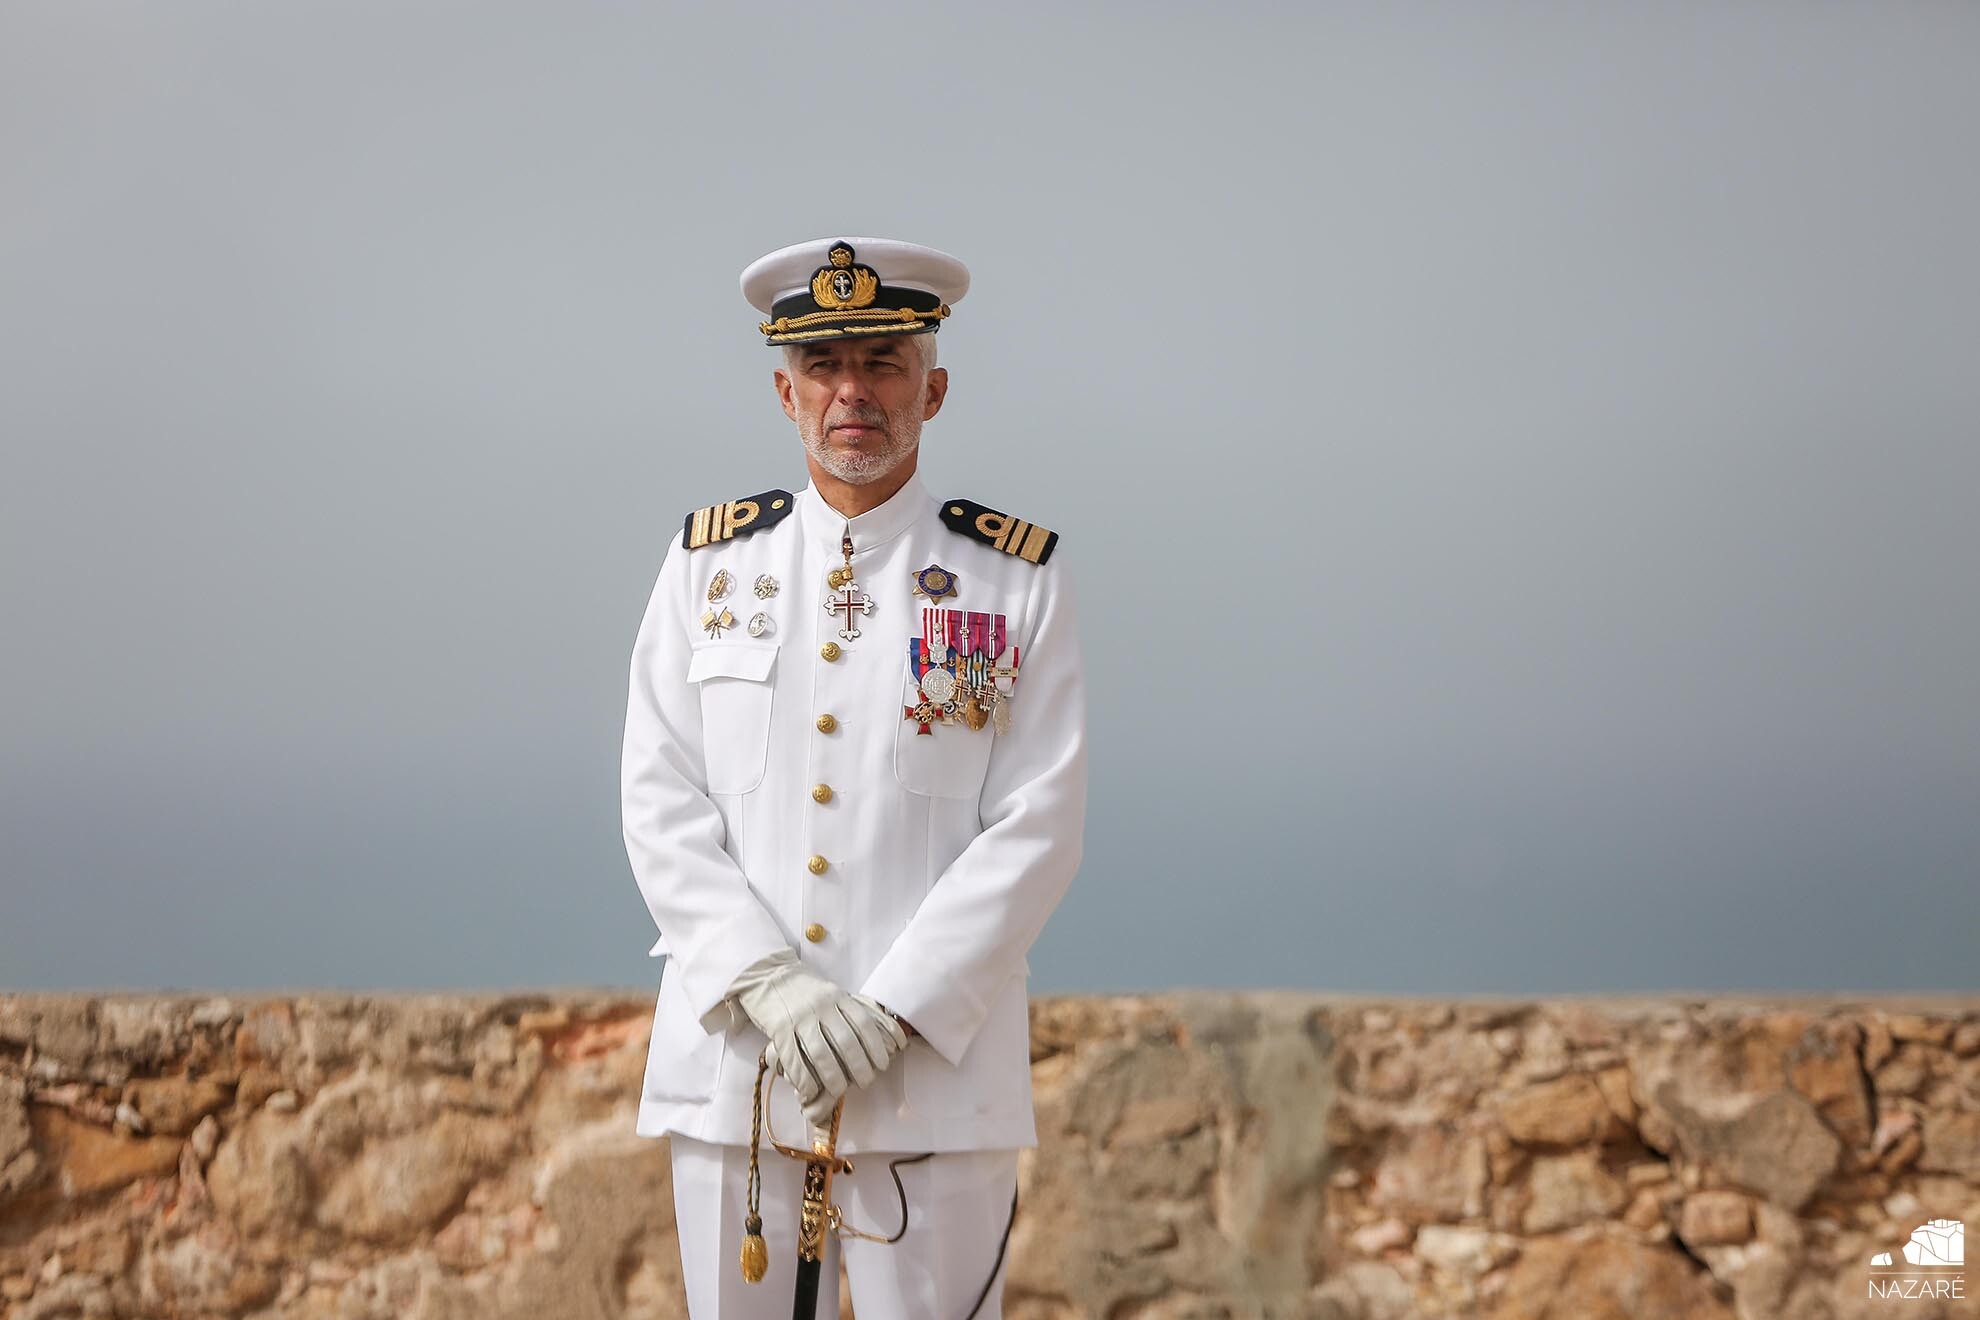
<point>938,390</point>
<point>785,395</point>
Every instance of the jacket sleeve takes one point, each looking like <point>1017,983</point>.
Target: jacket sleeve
<point>971,933</point>
<point>712,921</point>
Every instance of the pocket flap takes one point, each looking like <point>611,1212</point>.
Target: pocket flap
<point>752,660</point>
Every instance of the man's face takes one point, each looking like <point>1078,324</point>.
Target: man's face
<point>859,405</point>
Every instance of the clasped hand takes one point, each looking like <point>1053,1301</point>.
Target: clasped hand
<point>824,1038</point>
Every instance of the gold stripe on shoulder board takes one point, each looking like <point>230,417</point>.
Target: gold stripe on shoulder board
<point>1001,531</point>
<point>719,522</point>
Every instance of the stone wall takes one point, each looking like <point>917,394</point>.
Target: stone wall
<point>310,1157</point>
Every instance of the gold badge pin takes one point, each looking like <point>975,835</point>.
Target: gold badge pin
<point>843,285</point>
<point>935,582</point>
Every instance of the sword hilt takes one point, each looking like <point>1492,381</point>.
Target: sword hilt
<point>815,1216</point>
<point>818,1169</point>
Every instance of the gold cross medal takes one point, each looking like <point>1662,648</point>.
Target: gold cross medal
<point>841,579</point>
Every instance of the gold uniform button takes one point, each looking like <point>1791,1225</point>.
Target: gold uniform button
<point>821,793</point>
<point>814,932</point>
<point>830,650</point>
<point>817,864</point>
<point>826,723</point>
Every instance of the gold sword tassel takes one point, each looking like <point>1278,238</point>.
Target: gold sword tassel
<point>755,1255</point>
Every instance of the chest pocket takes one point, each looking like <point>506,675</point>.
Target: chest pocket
<point>735,679</point>
<point>948,761</point>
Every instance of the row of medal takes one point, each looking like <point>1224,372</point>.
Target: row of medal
<point>955,660</point>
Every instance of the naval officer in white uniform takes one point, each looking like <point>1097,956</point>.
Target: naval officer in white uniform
<point>854,790</point>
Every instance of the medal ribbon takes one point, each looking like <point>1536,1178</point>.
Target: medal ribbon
<point>964,642</point>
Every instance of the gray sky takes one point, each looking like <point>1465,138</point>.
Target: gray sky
<point>1520,464</point>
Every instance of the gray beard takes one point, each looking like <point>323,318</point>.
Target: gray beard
<point>859,468</point>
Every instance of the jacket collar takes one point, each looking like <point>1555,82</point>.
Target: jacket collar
<point>825,524</point>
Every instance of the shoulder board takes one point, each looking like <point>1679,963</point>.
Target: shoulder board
<point>719,522</point>
<point>999,531</point>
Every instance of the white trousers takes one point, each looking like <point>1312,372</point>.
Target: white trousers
<point>958,1203</point>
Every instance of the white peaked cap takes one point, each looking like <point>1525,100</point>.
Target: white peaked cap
<point>842,287</point>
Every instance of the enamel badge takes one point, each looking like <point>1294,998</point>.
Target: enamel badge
<point>935,582</point>
<point>854,600</point>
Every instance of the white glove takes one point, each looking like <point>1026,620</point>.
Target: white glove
<point>824,1037</point>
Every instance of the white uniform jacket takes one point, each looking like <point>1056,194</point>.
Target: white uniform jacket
<point>914,867</point>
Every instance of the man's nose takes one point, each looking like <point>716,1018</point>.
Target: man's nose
<point>853,387</point>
